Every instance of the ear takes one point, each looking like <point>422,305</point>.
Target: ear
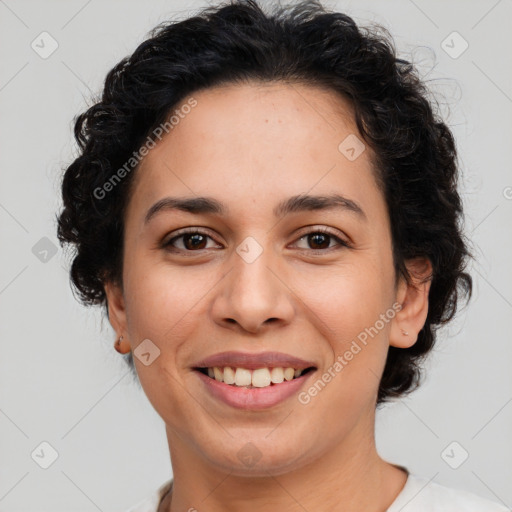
<point>414,300</point>
<point>116,307</point>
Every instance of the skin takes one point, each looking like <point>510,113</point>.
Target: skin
<point>251,146</point>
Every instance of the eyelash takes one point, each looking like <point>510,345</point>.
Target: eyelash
<point>341,243</point>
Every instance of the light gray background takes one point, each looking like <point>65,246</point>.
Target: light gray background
<point>61,380</point>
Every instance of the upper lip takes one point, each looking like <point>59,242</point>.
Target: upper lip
<point>253,361</point>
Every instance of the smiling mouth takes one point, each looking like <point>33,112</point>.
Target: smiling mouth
<point>259,378</point>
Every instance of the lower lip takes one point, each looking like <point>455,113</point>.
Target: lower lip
<point>254,398</point>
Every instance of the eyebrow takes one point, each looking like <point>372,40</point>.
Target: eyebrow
<point>299,203</point>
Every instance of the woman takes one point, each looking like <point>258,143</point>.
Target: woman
<point>267,208</point>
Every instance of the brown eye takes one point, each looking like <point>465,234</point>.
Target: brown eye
<point>194,241</point>
<point>189,241</point>
<point>320,240</point>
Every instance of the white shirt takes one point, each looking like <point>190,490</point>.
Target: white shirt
<point>418,495</point>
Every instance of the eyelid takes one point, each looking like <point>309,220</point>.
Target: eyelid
<point>326,231</point>
<point>186,231</point>
<point>314,228</point>
<point>192,230</point>
<point>308,230</point>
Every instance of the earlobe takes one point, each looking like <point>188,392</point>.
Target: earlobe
<point>413,298</point>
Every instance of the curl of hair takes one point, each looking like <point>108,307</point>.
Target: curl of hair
<point>416,160</point>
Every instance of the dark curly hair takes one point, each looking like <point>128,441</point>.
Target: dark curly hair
<point>236,42</point>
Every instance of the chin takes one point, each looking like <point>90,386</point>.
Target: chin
<point>259,457</point>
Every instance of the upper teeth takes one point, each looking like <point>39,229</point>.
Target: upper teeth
<point>259,378</point>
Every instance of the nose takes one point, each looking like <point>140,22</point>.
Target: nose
<point>253,295</point>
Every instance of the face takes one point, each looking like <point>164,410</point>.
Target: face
<point>253,276</point>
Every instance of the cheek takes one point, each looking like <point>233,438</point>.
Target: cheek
<point>163,305</point>
<point>346,305</point>
<point>346,298</point>
<point>161,302</point>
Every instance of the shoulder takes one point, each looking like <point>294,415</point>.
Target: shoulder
<point>150,503</point>
<point>421,495</point>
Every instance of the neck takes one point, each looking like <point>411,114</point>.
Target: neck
<point>352,477</point>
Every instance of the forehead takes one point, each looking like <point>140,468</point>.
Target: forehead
<point>257,141</point>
